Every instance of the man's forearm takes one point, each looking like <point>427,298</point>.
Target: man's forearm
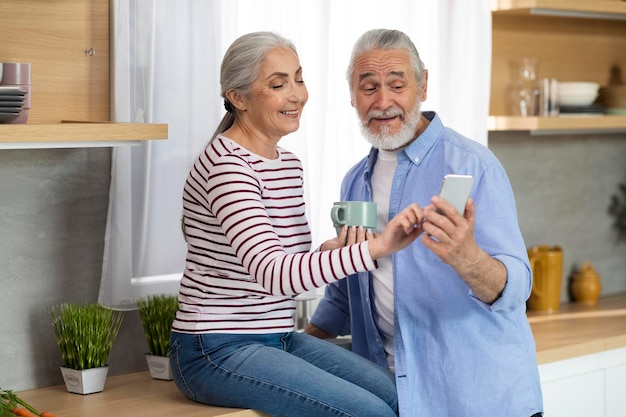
<point>486,277</point>
<point>313,330</point>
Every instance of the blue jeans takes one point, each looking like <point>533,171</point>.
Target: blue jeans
<point>282,374</point>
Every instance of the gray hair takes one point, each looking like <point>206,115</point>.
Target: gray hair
<point>241,65</point>
<point>386,39</point>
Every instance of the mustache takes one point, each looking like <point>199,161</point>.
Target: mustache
<point>379,114</point>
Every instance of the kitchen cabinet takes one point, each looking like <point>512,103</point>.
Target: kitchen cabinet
<point>67,44</point>
<point>574,396</point>
<point>590,385</point>
<point>615,398</point>
<point>581,351</point>
<point>574,40</point>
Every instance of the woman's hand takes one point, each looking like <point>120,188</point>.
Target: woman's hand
<point>349,235</point>
<point>401,231</point>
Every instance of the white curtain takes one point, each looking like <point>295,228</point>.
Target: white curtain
<point>166,56</point>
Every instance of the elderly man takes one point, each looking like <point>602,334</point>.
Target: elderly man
<point>447,314</point>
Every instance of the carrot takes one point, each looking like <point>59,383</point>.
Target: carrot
<point>47,414</point>
<point>22,412</point>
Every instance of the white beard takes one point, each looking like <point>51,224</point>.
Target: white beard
<point>383,140</point>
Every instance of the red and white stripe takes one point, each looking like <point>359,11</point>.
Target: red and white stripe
<point>248,244</point>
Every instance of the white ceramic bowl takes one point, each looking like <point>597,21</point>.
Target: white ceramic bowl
<point>578,87</point>
<point>577,93</point>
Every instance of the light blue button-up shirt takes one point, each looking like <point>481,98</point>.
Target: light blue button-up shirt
<point>455,356</point>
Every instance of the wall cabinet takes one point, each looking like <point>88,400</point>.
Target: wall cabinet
<point>67,43</point>
<point>574,40</point>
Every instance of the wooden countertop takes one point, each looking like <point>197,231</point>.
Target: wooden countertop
<point>136,395</point>
<point>577,330</point>
<point>574,330</point>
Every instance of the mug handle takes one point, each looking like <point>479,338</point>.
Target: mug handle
<point>335,215</point>
<point>533,262</point>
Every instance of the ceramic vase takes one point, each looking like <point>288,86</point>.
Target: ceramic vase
<point>546,263</point>
<point>87,381</point>
<point>586,285</point>
<point>159,367</point>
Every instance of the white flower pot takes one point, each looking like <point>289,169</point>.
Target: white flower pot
<point>86,381</point>
<point>159,367</point>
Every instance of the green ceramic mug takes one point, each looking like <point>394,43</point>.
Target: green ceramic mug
<point>353,213</point>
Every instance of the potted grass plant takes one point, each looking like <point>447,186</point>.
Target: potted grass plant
<point>85,334</point>
<point>157,314</point>
<point>618,210</point>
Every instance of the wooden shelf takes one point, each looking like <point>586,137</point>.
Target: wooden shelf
<point>560,124</point>
<point>567,50</point>
<point>68,83</point>
<point>79,134</point>
<point>599,9</point>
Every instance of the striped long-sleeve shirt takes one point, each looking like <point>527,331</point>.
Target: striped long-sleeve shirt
<point>249,244</point>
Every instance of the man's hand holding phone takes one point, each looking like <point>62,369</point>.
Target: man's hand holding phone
<point>450,233</point>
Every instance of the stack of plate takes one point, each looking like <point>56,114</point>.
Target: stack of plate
<point>11,103</point>
<point>590,110</point>
<point>613,98</point>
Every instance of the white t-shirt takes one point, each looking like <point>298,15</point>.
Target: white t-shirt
<point>382,283</point>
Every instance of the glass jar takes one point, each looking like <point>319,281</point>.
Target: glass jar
<point>523,93</point>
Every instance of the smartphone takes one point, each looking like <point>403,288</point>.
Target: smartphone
<point>455,189</point>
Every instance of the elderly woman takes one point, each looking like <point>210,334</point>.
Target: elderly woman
<point>233,341</point>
